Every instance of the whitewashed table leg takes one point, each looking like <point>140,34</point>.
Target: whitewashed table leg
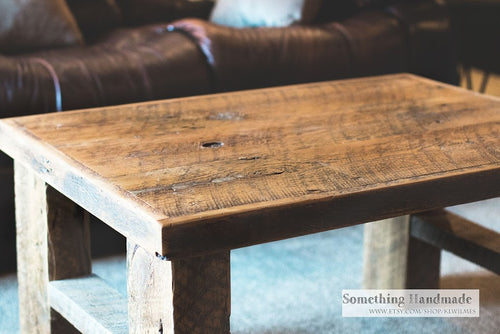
<point>53,242</point>
<point>385,253</point>
<point>190,295</point>
<point>393,259</point>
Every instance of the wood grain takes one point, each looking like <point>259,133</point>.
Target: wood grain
<point>319,156</point>
<point>423,265</point>
<point>189,296</point>
<point>32,252</point>
<point>68,237</point>
<point>52,243</point>
<point>202,294</point>
<point>445,230</point>
<point>90,304</point>
<point>385,254</point>
<point>394,259</point>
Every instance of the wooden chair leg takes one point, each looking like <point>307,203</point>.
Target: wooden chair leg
<point>53,242</point>
<point>189,295</point>
<point>395,260</point>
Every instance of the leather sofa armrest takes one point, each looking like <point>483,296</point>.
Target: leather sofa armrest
<point>26,87</point>
<point>128,65</point>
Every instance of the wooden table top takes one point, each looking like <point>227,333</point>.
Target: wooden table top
<point>194,175</point>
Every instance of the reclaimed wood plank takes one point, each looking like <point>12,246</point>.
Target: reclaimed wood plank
<point>90,304</point>
<point>32,252</point>
<point>471,241</point>
<point>190,295</point>
<point>385,253</point>
<point>393,259</point>
<point>423,266</point>
<point>52,243</point>
<point>122,211</point>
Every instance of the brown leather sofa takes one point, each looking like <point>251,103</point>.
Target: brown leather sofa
<point>145,55</point>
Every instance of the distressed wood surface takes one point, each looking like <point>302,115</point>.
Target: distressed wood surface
<point>385,254</point>
<point>195,175</point>
<point>90,304</point>
<point>394,259</point>
<point>190,295</point>
<point>446,230</point>
<point>423,266</point>
<point>52,243</point>
<point>32,252</point>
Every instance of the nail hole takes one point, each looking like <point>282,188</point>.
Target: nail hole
<point>212,144</point>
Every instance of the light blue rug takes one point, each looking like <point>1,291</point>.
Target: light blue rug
<point>294,286</point>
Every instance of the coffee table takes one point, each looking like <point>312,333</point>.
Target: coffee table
<point>187,180</point>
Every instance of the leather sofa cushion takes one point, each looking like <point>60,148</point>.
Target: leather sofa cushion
<point>137,12</point>
<point>35,24</point>
<point>126,65</point>
<point>264,13</point>
<point>95,17</point>
<point>27,87</point>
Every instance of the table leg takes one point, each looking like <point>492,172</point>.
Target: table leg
<point>393,259</point>
<point>53,242</point>
<point>190,295</point>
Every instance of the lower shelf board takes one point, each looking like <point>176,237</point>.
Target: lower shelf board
<point>90,304</point>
